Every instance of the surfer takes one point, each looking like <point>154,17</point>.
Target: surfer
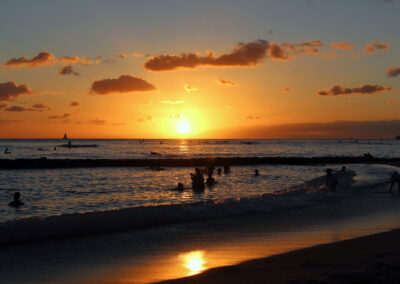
<point>16,202</point>
<point>256,173</point>
<point>6,151</point>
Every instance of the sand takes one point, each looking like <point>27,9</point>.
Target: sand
<point>368,259</point>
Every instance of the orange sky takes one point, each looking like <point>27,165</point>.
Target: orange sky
<point>224,71</point>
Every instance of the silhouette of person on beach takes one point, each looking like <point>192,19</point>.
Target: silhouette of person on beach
<point>256,173</point>
<point>6,151</point>
<point>16,202</point>
<point>197,180</point>
<point>395,178</point>
<point>331,180</point>
<point>227,169</point>
<point>70,144</point>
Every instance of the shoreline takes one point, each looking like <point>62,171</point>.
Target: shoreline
<point>366,259</point>
<point>44,163</point>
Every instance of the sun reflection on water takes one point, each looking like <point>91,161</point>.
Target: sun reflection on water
<point>194,261</point>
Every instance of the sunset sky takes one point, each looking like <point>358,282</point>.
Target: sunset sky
<point>200,69</point>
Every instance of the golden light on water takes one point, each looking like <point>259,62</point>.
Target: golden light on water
<point>194,261</point>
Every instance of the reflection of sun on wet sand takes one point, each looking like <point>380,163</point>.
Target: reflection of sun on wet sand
<point>194,261</point>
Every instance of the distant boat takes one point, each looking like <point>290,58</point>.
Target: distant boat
<point>65,136</point>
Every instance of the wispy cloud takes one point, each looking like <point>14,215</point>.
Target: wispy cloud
<point>188,88</point>
<point>376,45</point>
<point>173,102</point>
<point>148,118</point>
<point>67,70</point>
<point>366,89</point>
<point>225,82</point>
<point>393,71</point>
<point>65,115</point>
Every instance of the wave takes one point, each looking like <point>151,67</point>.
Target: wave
<point>78,224</point>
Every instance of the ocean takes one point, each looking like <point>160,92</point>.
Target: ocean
<point>104,199</point>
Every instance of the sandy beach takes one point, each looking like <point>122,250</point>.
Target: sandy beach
<point>369,259</point>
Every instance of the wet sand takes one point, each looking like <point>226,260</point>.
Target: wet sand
<point>369,259</point>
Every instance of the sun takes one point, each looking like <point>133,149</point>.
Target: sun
<point>183,127</point>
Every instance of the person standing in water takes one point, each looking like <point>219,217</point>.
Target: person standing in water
<point>16,202</point>
<point>395,178</point>
<point>331,180</point>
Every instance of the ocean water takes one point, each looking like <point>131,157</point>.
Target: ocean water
<point>88,200</point>
<point>138,149</point>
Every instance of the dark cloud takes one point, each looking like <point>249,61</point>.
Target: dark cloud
<point>225,82</point>
<point>22,109</point>
<point>242,55</point>
<point>98,121</point>
<point>65,115</point>
<point>342,45</point>
<point>286,89</point>
<point>375,45</point>
<point>67,70</point>
<point>393,71</point>
<point>44,58</point>
<point>331,130</point>
<point>123,84</point>
<point>10,89</point>
<point>74,104</point>
<point>362,90</point>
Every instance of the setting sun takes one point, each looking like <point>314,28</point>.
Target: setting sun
<point>183,127</point>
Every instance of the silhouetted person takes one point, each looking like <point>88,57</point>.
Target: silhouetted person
<point>210,180</point>
<point>368,156</point>
<point>210,169</point>
<point>197,180</point>
<point>55,148</point>
<point>179,187</point>
<point>395,177</point>
<point>343,168</point>
<point>6,151</point>
<point>227,169</point>
<point>331,180</point>
<point>256,173</point>
<point>70,144</point>
<point>16,202</point>
<point>219,171</point>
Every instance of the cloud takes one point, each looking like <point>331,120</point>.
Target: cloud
<point>362,90</point>
<point>121,55</point>
<point>7,121</point>
<point>225,82</point>
<point>190,89</point>
<point>287,51</point>
<point>67,70</point>
<point>286,89</point>
<point>173,102</point>
<point>342,45</point>
<point>393,101</point>
<point>98,121</point>
<point>242,55</point>
<point>74,104</point>
<point>40,107</point>
<point>10,89</point>
<point>65,115</point>
<point>252,117</point>
<point>393,71</point>
<point>330,130</point>
<point>148,118</point>
<point>123,84</point>
<point>45,58</point>
<point>22,109</point>
<point>375,45</point>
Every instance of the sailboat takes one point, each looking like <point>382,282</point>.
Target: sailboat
<point>65,136</point>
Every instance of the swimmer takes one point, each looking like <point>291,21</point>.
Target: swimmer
<point>227,169</point>
<point>219,171</point>
<point>16,202</point>
<point>256,173</point>
<point>179,187</point>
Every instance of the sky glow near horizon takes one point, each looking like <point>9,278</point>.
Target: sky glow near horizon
<point>191,69</point>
